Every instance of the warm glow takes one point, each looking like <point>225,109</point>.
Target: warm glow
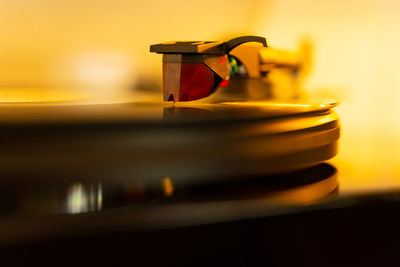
<point>29,95</point>
<point>168,187</point>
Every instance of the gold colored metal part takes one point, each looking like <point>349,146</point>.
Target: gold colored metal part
<point>258,59</point>
<point>279,58</point>
<point>219,65</point>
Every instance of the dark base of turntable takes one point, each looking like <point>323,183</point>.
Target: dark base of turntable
<point>341,234</point>
<point>221,225</point>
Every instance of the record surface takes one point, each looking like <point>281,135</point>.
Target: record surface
<point>191,144</point>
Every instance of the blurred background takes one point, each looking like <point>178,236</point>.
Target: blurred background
<point>101,48</point>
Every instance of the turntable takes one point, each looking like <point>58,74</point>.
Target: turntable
<point>213,152</point>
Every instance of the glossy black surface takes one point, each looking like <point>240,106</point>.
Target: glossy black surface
<point>43,211</point>
<point>146,142</point>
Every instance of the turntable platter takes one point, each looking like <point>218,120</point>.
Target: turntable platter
<point>146,142</point>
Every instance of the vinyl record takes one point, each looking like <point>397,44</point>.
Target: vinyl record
<point>191,144</point>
